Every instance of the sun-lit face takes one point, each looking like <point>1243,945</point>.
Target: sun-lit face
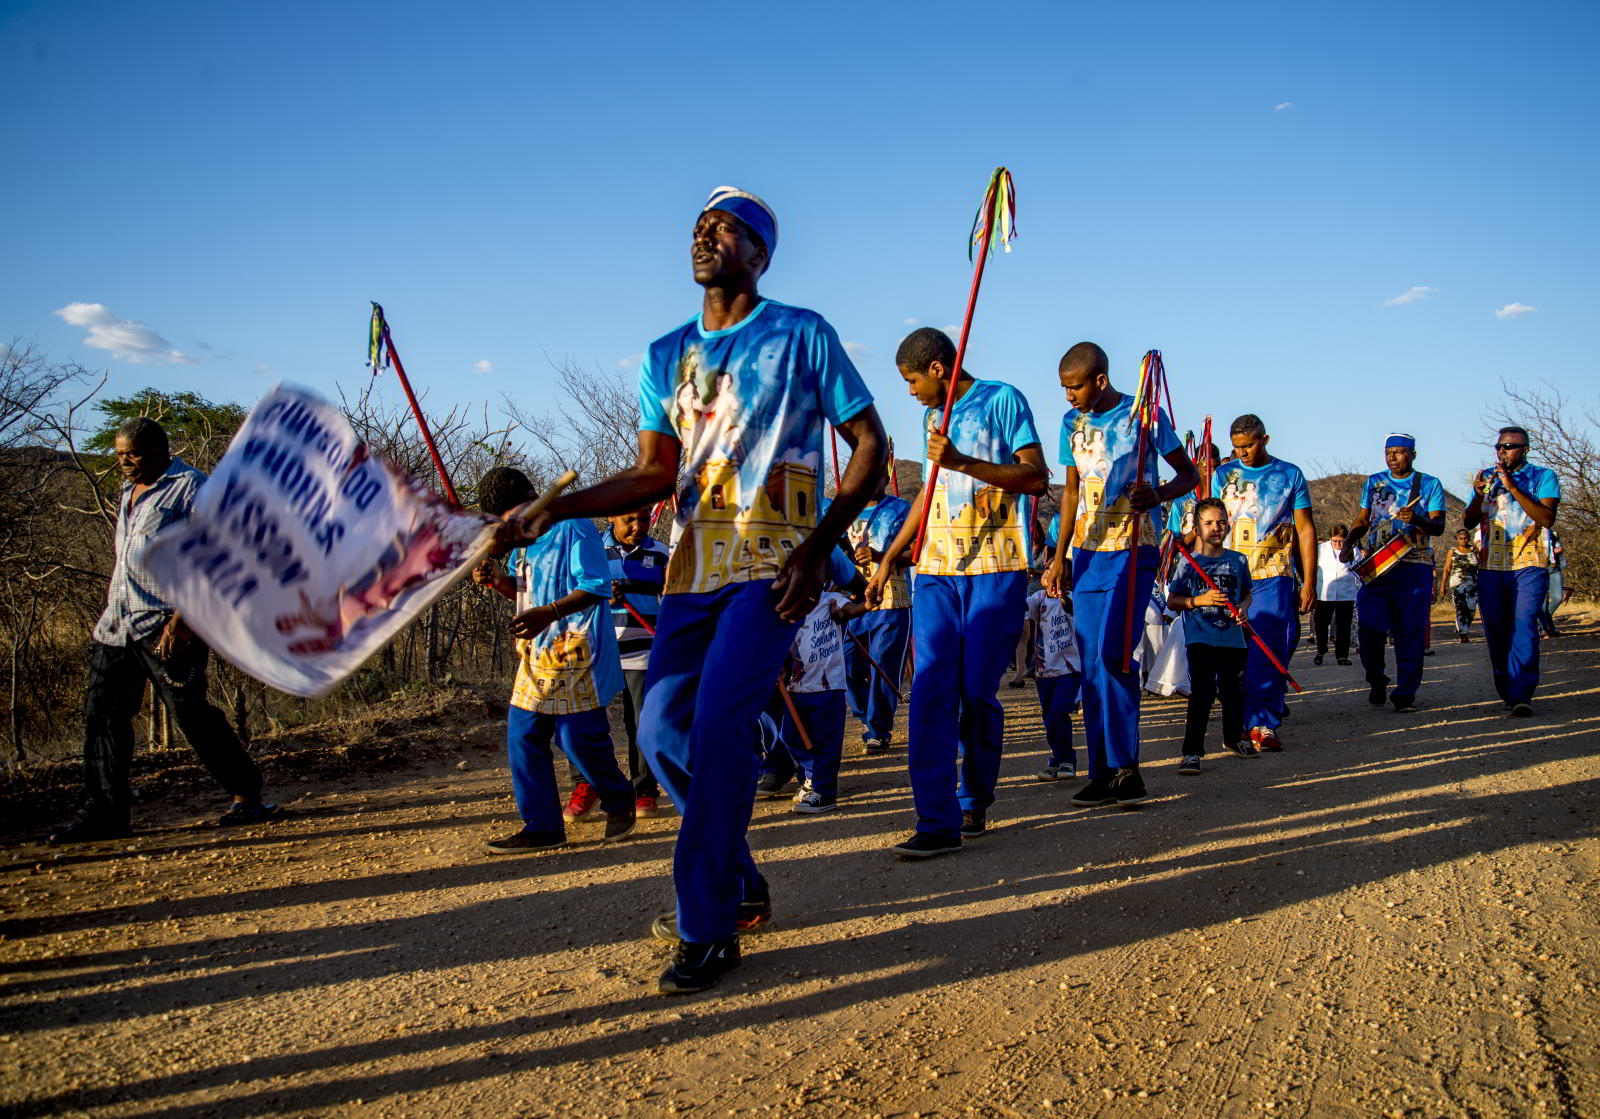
<point>1462,538</point>
<point>1211,525</point>
<point>138,462</point>
<point>1399,459</point>
<point>722,250</point>
<point>1511,449</point>
<point>1084,389</point>
<point>630,528</point>
<point>927,387</point>
<point>1251,447</point>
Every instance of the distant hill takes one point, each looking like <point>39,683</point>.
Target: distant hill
<point>1334,500</point>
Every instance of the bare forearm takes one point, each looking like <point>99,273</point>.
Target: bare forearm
<point>623,492</point>
<point>1013,477</point>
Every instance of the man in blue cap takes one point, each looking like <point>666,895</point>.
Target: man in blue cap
<point>1405,502</point>
<point>738,396</point>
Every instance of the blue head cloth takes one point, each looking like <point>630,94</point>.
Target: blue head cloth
<point>749,209</point>
<point>1400,439</point>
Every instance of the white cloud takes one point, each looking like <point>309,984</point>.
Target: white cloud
<point>1414,295</point>
<point>855,349</point>
<point>483,365</point>
<point>262,368</point>
<point>631,362</point>
<point>951,328</point>
<point>1514,311</point>
<point>1283,106</point>
<point>913,321</point>
<point>128,340</point>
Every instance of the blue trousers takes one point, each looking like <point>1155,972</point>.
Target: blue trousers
<point>872,699</point>
<point>822,714</point>
<point>586,740</point>
<point>1275,616</point>
<point>1509,602</point>
<point>965,629</point>
<point>1110,695</point>
<point>1057,694</point>
<point>1396,603</point>
<point>712,668</point>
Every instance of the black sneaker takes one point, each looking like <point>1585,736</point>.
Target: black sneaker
<point>1403,704</point>
<point>620,825</point>
<point>755,915</point>
<point>973,823</point>
<point>1344,660</point>
<point>1522,710</point>
<point>922,845</point>
<point>1128,787</point>
<point>696,967</point>
<point>1427,652</point>
<point>1094,794</point>
<point>1244,748</point>
<point>88,830</point>
<point>770,786</point>
<point>1317,659</point>
<point>524,841</point>
<point>243,813</point>
<point>1378,695</point>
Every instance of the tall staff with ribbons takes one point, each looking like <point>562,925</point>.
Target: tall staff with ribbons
<point>1145,416</point>
<point>381,354</point>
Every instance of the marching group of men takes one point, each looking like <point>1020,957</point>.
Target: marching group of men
<point>737,651</point>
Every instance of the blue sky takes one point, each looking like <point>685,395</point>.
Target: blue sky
<point>1348,218</point>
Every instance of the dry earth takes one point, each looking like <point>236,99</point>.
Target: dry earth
<point>1397,916</point>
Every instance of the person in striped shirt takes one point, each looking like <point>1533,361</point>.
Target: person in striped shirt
<point>638,573</point>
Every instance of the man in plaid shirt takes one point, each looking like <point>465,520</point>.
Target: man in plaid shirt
<point>139,637</point>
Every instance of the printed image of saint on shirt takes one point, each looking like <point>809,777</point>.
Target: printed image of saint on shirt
<point>1104,447</point>
<point>1261,501</point>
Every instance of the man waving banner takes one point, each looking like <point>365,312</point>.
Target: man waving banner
<point>303,553</point>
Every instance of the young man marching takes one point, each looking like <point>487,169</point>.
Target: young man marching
<point>739,394</point>
<point>971,587</point>
<point>1399,501</point>
<point>1107,488</point>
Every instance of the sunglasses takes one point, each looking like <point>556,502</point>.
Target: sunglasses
<point>1509,446</point>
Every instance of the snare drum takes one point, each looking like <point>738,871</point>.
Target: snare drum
<point>1374,565</point>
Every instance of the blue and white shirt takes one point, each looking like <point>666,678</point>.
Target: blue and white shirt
<point>974,528</point>
<point>1055,648</point>
<point>572,666</point>
<point>134,606</point>
<point>1384,495</point>
<point>818,651</point>
<point>1104,447</point>
<point>1261,501</point>
<point>1509,539</point>
<point>1213,625</point>
<point>642,571</point>
<point>748,404</point>
<point>876,527</point>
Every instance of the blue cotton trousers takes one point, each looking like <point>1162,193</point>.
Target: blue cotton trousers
<point>872,698</point>
<point>1110,695</point>
<point>1509,603</point>
<point>712,667</point>
<point>822,715</point>
<point>586,740</point>
<point>1275,618</point>
<point>1396,604</point>
<point>1057,694</point>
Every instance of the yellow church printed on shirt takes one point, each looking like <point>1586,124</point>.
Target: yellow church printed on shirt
<point>723,545</point>
<point>1101,527</point>
<point>980,537</point>
<point>556,679</point>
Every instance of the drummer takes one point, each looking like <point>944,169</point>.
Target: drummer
<point>1402,507</point>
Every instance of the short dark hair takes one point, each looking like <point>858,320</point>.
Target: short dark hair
<point>502,488</point>
<point>1248,424</point>
<point>1086,355</point>
<point>924,346</point>
<point>144,432</point>
<point>1209,503</point>
<point>1515,430</point>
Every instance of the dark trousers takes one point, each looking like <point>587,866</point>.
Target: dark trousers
<point>1214,671</point>
<point>117,675</point>
<point>1339,613</point>
<point>644,782</point>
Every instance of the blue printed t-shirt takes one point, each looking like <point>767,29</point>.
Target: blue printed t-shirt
<point>641,570</point>
<point>1180,515</point>
<point>1509,539</point>
<point>1104,447</point>
<point>1261,501</point>
<point>876,527</point>
<point>974,528</point>
<point>1213,625</point>
<point>572,666</point>
<point>1384,495</point>
<point>748,403</point>
<point>1052,532</point>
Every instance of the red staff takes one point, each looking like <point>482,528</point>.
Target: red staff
<point>1238,617</point>
<point>862,645</point>
<point>1147,414</point>
<point>380,354</point>
<point>994,224</point>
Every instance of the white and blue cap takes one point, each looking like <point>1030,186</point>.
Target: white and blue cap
<point>1400,439</point>
<point>751,210</point>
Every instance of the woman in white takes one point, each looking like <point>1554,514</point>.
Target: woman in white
<point>1336,597</point>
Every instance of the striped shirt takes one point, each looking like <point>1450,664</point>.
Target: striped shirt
<point>134,607</point>
<point>642,571</point>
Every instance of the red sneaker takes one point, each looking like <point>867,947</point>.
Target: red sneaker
<point>584,800</point>
<point>1266,740</point>
<point>646,807</point>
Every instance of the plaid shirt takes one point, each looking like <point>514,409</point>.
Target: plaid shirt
<point>134,609</point>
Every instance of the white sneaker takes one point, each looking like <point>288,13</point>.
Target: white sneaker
<point>809,802</point>
<point>1060,772</point>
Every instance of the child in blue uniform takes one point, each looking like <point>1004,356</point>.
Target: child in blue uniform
<point>1213,640</point>
<point>971,587</point>
<point>1107,487</point>
<point>1057,676</point>
<point>737,397</point>
<point>1269,510</point>
<point>882,630</point>
<point>1514,507</point>
<point>567,670</point>
<point>1399,501</point>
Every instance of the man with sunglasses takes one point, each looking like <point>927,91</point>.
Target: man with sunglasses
<point>1514,502</point>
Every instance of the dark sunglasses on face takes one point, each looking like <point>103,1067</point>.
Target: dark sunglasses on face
<point>1509,446</point>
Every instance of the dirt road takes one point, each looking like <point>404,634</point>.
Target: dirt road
<point>1396,916</point>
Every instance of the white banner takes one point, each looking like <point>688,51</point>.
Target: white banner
<point>304,554</point>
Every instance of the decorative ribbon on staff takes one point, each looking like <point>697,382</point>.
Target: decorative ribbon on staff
<point>993,227</point>
<point>1146,415</point>
<point>1238,617</point>
<point>894,475</point>
<point>380,355</point>
<point>1206,462</point>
